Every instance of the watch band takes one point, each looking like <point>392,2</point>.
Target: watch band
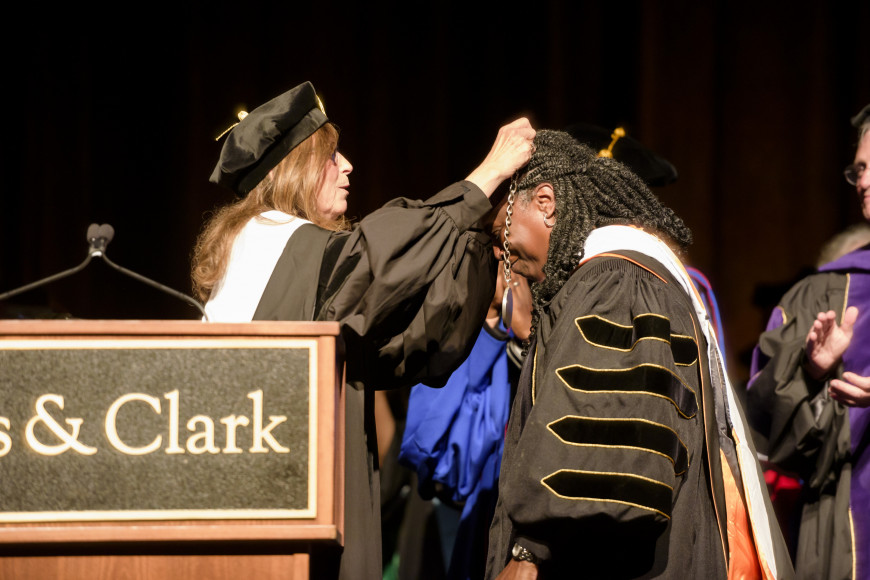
<point>523,555</point>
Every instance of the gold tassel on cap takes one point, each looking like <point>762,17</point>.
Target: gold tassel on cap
<point>617,134</point>
<point>241,115</point>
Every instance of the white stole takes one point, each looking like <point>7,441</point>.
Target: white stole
<point>255,252</point>
<point>614,238</point>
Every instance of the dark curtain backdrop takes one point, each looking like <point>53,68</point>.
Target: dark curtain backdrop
<point>111,115</point>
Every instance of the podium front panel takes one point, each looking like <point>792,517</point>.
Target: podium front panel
<point>169,424</point>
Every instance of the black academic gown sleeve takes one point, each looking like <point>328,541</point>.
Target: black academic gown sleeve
<point>602,474</point>
<point>786,405</point>
<point>410,288</point>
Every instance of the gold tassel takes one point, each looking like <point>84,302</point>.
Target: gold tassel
<point>242,115</point>
<point>617,134</point>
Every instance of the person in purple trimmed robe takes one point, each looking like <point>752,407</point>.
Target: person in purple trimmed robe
<point>809,395</point>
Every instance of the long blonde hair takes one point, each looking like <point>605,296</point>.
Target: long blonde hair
<point>291,187</point>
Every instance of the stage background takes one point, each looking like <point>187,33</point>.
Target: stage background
<point>111,115</point>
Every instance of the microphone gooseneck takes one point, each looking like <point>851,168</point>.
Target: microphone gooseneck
<point>98,237</point>
<point>92,232</point>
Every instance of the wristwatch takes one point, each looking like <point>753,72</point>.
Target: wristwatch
<point>522,554</point>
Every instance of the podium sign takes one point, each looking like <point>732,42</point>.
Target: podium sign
<point>170,429</point>
<point>194,431</point>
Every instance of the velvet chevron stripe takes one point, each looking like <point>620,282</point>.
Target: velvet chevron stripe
<point>623,488</point>
<point>628,433</point>
<point>644,379</point>
<point>604,333</point>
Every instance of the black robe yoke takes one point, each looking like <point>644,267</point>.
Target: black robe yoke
<point>410,286</point>
<point>605,472</point>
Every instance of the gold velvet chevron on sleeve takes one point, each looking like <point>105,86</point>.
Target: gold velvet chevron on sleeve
<point>644,379</point>
<point>607,334</point>
<point>637,434</point>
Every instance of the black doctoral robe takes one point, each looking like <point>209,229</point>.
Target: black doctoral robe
<point>410,285</point>
<point>615,449</point>
<point>803,430</point>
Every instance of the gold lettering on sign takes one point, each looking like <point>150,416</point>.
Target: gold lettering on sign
<point>260,434</point>
<point>112,430</point>
<point>206,437</point>
<point>174,448</point>
<point>70,439</point>
<point>233,421</point>
<point>5,440</point>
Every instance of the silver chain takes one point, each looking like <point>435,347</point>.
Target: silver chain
<point>506,265</point>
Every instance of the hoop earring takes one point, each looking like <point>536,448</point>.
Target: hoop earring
<point>546,223</point>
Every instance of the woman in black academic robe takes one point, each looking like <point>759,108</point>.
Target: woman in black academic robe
<point>410,285</point>
<point>626,454</point>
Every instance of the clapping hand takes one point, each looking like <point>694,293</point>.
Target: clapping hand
<point>825,345</point>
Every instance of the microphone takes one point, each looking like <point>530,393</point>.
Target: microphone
<point>98,237</point>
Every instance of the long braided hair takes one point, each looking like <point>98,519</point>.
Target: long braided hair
<point>590,192</point>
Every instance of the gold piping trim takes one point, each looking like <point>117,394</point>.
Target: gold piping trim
<point>620,473</point>
<point>604,346</point>
<point>628,503</point>
<point>846,297</point>
<point>599,345</point>
<point>680,411</point>
<point>854,552</point>
<point>599,317</point>
<point>534,372</point>
<point>627,447</point>
<point>677,435</point>
<point>557,494</point>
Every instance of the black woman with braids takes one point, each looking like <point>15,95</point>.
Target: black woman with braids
<point>626,454</point>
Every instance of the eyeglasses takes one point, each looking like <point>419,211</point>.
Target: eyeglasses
<point>854,172</point>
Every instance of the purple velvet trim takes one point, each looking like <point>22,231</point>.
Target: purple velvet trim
<point>860,492</point>
<point>857,356</point>
<point>856,261</point>
<point>759,359</point>
<point>857,360</point>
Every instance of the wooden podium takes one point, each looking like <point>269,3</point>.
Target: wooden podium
<point>169,449</point>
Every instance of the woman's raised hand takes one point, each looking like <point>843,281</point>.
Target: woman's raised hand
<point>512,149</point>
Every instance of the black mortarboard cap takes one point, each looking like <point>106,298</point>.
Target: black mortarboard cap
<point>265,136</point>
<point>654,170</point>
<point>859,119</point>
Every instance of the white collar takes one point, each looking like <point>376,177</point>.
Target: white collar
<point>613,238</point>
